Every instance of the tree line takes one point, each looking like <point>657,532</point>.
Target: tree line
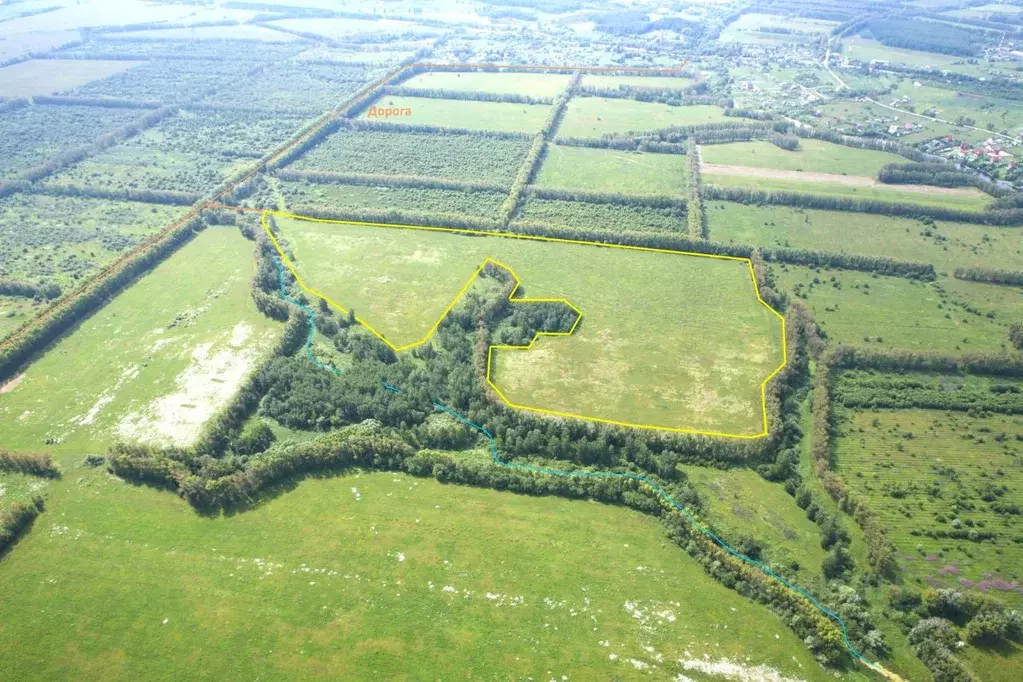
<point>11,287</point>
<point>990,275</point>
<point>696,218</point>
<point>15,519</point>
<point>464,95</point>
<point>939,175</point>
<point>33,463</point>
<point>379,180</point>
<point>897,391</point>
<point>108,102</point>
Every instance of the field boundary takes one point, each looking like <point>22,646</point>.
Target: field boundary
<point>511,235</point>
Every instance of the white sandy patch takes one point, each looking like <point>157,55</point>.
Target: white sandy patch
<point>10,385</point>
<point>90,416</point>
<point>726,669</point>
<point>207,383</point>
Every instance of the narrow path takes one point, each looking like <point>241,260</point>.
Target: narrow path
<point>660,492</point>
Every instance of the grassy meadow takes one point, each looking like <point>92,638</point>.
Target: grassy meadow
<point>610,170</point>
<point>454,113</point>
<point>596,116</point>
<point>965,198</point>
<point>946,245</point>
<point>372,575</point>
<point>890,312</point>
<point>152,364</point>
<point>866,49</point>
<point>922,469</point>
<point>723,343</point>
<point>534,84</point>
<point>812,156</point>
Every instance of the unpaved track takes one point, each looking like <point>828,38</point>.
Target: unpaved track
<point>848,180</point>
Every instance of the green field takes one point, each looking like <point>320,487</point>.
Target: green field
<point>609,170</point>
<point>950,104</point>
<point>813,156</point>
<point>534,84</point>
<point>966,199</point>
<point>47,76</point>
<point>152,364</point>
<point>587,216</point>
<point>722,345</point>
<point>15,311</point>
<point>946,245</point>
<point>596,116</point>
<point>372,575</point>
<point>472,115</point>
<point>473,158</point>
<point>745,28</point>
<point>865,49</point>
<point>592,80</point>
<point>891,312</point>
<point>426,202</point>
<point>917,467</point>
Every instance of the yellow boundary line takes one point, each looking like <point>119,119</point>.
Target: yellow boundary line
<point>537,335</point>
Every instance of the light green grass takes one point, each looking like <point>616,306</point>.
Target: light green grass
<point>866,49</point>
<point>592,80</point>
<point>454,113</point>
<point>16,487</point>
<point>904,313</point>
<point>744,29</point>
<point>891,458</point>
<point>151,363</point>
<point>1002,113</point>
<point>47,76</point>
<point>609,170</point>
<point>535,84</point>
<point>946,245</point>
<point>740,502</point>
<point>638,356</point>
<point>596,116</point>
<point>14,311</point>
<point>410,579</point>
<point>974,200</point>
<point>813,156</point>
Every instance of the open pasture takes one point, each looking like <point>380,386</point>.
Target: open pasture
<point>66,240</point>
<point>381,572</point>
<point>935,477</point>
<point>945,245</point>
<point>723,343</point>
<point>31,135</point>
<point>153,364</point>
<point>47,76</point>
<point>812,156</point>
<point>596,116</point>
<point>472,115</point>
<point>610,170</point>
<point>535,84</point>
<point>471,158</point>
<point>890,312</point>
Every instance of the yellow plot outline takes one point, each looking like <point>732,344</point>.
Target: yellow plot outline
<point>537,335</point>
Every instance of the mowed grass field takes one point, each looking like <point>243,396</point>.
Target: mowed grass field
<point>152,364</point>
<point>946,245</point>
<point>812,156</point>
<point>596,116</point>
<point>594,80</point>
<point>610,170</point>
<point>535,84</point>
<point>670,340</point>
<point>965,198</point>
<point>453,113</point>
<point>892,312</point>
<point>893,458</point>
<point>866,49</point>
<point>47,76</point>
<point>372,576</point>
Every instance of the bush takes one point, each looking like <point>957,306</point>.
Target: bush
<point>255,437</point>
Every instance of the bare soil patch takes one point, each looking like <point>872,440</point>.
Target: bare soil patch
<point>10,385</point>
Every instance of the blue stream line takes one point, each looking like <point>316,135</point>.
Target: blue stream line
<point>596,474</point>
<point>312,323</point>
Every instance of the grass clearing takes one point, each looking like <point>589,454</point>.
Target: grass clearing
<point>338,578</point>
<point>812,156</point>
<point>722,344</point>
<point>47,76</point>
<point>946,245</point>
<point>609,170</point>
<point>535,84</point>
<point>471,158</point>
<point>974,200</point>
<point>153,364</point>
<point>747,29</point>
<point>596,116</point>
<point>891,312</point>
<point>592,80</point>
<point>922,469</point>
<point>866,49</point>
<point>453,113</point>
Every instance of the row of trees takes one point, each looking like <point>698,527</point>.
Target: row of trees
<point>380,180</point>
<point>938,174</point>
<point>108,102</point>
<point>749,195</point>
<point>10,287</point>
<point>149,196</point>
<point>34,463</point>
<point>696,219</point>
<point>465,95</point>
<point>870,390</point>
<point>15,519</point>
<point>990,275</point>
